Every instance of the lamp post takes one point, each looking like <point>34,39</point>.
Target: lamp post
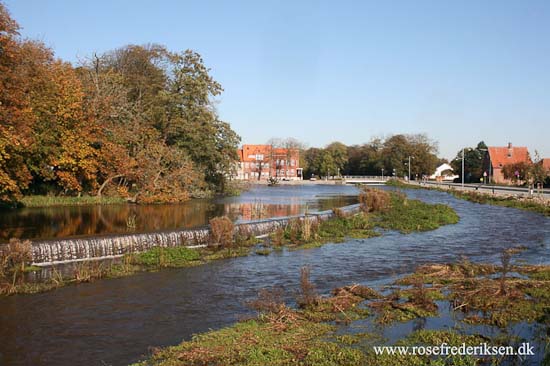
<point>382,173</point>
<point>462,167</point>
<point>490,165</point>
<point>409,163</point>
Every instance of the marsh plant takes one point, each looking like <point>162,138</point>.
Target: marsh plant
<point>308,296</point>
<point>221,231</point>
<point>374,200</point>
<point>131,222</point>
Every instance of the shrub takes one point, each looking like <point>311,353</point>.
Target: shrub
<point>307,296</point>
<point>306,228</point>
<point>278,237</point>
<point>374,200</point>
<point>292,231</point>
<point>14,256</point>
<point>221,229</point>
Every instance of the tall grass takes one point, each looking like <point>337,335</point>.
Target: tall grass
<point>48,201</point>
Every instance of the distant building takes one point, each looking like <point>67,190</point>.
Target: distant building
<point>546,164</point>
<point>260,162</point>
<point>498,157</point>
<point>444,172</point>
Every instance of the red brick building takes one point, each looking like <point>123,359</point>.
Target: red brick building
<point>546,164</point>
<point>498,157</point>
<point>260,162</point>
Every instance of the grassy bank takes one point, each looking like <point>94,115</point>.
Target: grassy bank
<point>379,210</point>
<point>334,330</point>
<point>522,203</point>
<point>50,201</point>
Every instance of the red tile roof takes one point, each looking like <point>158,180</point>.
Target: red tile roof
<point>501,156</point>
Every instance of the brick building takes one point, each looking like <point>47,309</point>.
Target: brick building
<point>260,162</point>
<point>498,157</point>
<point>546,164</point>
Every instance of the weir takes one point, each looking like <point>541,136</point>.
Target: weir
<point>58,251</point>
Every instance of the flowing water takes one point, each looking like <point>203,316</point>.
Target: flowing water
<point>113,322</point>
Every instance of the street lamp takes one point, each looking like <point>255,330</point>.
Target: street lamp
<point>462,167</point>
<point>410,167</point>
<point>490,165</point>
<point>382,173</point>
<point>463,154</point>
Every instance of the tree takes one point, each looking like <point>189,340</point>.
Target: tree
<point>423,152</point>
<point>473,162</point>
<point>339,155</point>
<point>517,172</point>
<point>326,164</point>
<point>16,115</point>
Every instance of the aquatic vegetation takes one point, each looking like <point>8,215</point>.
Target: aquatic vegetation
<point>262,252</point>
<point>280,335</point>
<point>165,257</point>
<point>412,215</point>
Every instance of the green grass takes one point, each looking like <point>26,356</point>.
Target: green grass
<point>49,201</point>
<point>412,215</point>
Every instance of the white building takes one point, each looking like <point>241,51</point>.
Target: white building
<point>444,172</point>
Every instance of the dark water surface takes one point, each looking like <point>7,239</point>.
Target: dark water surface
<point>258,203</point>
<point>114,322</point>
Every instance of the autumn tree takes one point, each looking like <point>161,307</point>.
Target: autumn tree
<point>517,172</point>
<point>16,115</point>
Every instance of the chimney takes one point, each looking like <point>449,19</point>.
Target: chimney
<point>510,150</point>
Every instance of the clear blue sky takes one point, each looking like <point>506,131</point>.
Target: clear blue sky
<point>460,71</point>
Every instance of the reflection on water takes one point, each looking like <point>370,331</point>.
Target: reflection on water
<point>257,203</point>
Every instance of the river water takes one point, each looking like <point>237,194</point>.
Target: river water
<point>113,322</point>
<point>257,203</point>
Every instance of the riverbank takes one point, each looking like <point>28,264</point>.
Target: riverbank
<point>231,189</point>
<point>348,327</point>
<point>54,201</point>
<point>534,203</point>
<point>380,210</point>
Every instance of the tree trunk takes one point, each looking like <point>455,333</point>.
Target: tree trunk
<point>104,184</point>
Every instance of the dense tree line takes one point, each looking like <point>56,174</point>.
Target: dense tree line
<point>390,155</point>
<point>138,122</point>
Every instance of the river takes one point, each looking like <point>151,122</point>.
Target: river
<point>114,322</point>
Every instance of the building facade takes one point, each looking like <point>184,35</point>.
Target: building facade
<point>498,157</point>
<point>260,162</point>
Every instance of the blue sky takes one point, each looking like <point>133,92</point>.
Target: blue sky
<point>460,71</point>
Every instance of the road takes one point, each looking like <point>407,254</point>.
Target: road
<point>486,188</point>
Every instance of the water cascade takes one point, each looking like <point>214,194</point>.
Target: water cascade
<point>51,252</point>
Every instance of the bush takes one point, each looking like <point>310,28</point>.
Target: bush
<point>374,200</point>
<point>14,256</point>
<point>221,231</point>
